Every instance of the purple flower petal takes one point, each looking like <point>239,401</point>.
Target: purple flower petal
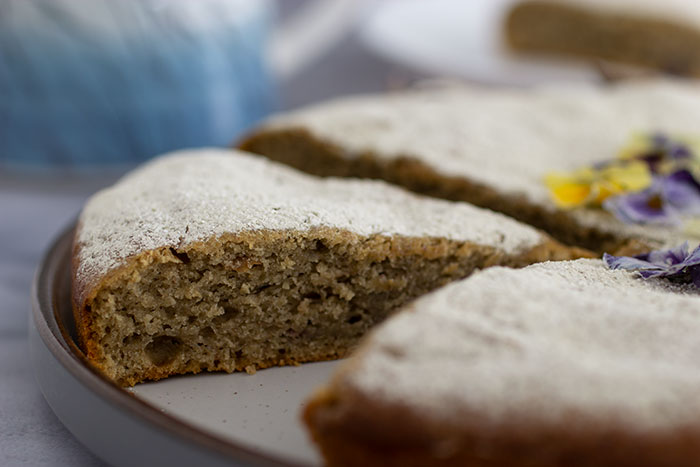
<point>668,198</point>
<point>667,257</point>
<point>643,207</point>
<point>628,263</point>
<point>663,148</point>
<point>693,259</point>
<point>676,264</point>
<point>679,151</point>
<point>682,192</point>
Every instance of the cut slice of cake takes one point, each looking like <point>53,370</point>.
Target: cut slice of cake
<point>557,364</point>
<point>659,34</point>
<point>489,147</point>
<point>220,260</point>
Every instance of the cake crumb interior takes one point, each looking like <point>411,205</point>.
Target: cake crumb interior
<point>249,301</point>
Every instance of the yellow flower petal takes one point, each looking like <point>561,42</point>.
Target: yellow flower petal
<point>568,190</point>
<point>638,143</point>
<point>589,186</point>
<point>571,195</point>
<point>632,176</point>
<point>601,190</point>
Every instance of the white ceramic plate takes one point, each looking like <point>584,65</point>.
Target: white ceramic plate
<point>461,39</point>
<point>210,419</point>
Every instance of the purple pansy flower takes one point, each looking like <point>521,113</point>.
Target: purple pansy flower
<point>662,148</point>
<point>677,264</point>
<point>664,202</point>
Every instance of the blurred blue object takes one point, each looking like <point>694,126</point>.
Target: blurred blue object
<point>95,82</point>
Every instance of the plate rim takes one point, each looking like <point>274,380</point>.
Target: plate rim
<point>53,333</point>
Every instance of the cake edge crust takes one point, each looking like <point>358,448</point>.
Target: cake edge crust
<point>352,427</point>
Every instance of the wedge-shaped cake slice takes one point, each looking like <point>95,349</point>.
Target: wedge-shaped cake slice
<point>658,34</point>
<point>557,364</point>
<point>220,260</point>
<point>489,147</point>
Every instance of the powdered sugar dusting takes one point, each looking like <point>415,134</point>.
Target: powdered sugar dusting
<point>507,139</point>
<point>197,194</point>
<point>539,344</point>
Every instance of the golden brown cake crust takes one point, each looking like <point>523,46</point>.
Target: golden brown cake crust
<point>362,432</point>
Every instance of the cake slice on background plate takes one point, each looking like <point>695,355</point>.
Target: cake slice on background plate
<point>557,364</point>
<point>663,35</point>
<point>219,260</point>
<point>563,158</point>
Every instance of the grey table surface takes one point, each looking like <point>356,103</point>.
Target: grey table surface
<point>34,209</point>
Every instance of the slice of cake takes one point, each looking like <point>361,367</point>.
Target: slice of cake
<point>659,34</point>
<point>556,364</point>
<point>220,260</point>
<point>493,148</point>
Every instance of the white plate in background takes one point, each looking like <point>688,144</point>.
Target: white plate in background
<point>461,39</point>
